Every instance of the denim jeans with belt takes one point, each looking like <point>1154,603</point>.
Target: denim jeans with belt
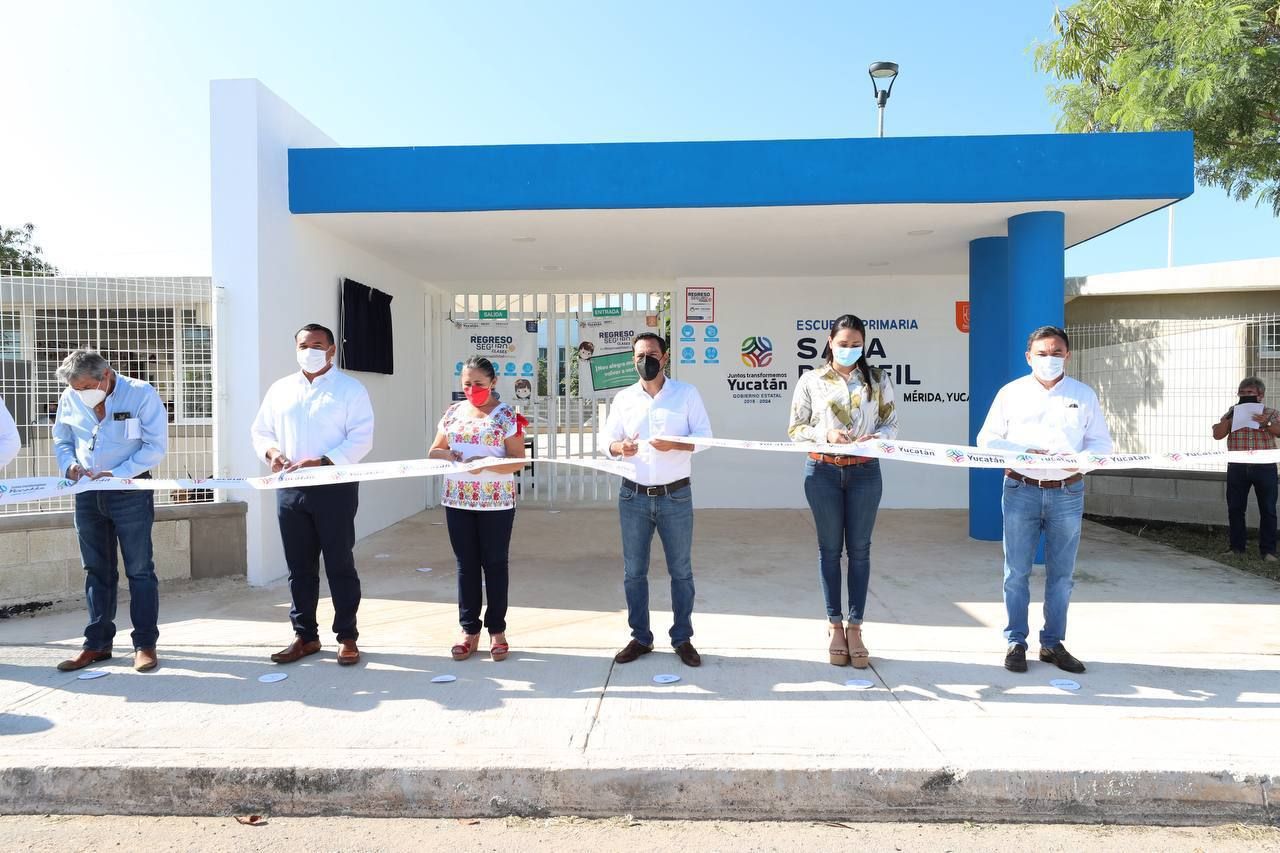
<point>103,520</point>
<point>1029,511</point>
<point>671,515</point>
<point>844,500</point>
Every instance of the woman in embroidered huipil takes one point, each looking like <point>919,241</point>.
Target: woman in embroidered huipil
<point>843,402</point>
<point>480,507</point>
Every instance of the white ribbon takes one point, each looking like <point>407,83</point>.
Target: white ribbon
<point>948,455</point>
<point>962,456</point>
<point>43,488</point>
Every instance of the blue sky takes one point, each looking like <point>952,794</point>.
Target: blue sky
<point>106,147</point>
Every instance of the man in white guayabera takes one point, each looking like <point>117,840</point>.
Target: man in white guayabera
<point>1045,412</point>
<point>109,425</point>
<point>314,417</point>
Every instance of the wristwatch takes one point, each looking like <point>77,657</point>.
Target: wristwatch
<point>325,460</point>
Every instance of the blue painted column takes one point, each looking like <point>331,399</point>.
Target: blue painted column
<point>1036,284</point>
<point>989,346</point>
<point>1037,242</point>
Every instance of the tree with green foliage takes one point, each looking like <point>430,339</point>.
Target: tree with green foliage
<point>19,252</point>
<point>1209,66</point>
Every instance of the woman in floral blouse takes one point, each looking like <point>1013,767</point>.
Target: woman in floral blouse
<point>480,507</point>
<point>841,403</point>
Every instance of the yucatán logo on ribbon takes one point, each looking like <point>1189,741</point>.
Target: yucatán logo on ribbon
<point>757,351</point>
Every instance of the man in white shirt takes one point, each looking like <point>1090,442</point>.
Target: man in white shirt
<point>1045,412</point>
<point>660,498</point>
<point>318,416</point>
<point>10,441</point>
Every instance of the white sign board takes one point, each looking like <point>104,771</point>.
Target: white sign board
<point>604,354</point>
<point>768,331</point>
<point>511,347</point>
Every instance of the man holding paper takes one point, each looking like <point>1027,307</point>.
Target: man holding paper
<point>1251,425</point>
<point>1044,412</point>
<point>315,417</point>
<point>109,425</point>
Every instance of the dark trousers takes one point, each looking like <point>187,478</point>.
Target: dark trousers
<point>481,541</point>
<point>1263,479</point>
<point>315,521</point>
<point>104,520</point>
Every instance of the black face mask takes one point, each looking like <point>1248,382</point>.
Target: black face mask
<point>649,368</point>
<point>1248,398</point>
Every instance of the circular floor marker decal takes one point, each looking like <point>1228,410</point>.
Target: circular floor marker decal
<point>665,679</point>
<point>437,524</point>
<point>273,677</point>
<point>1065,684</point>
<point>424,569</point>
<point>553,512</point>
<point>859,683</point>
<point>443,679</point>
<point>89,676</point>
<point>381,556</point>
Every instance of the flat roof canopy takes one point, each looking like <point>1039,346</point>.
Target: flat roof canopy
<point>677,209</point>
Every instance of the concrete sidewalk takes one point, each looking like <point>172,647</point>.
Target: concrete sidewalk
<point>1176,719</point>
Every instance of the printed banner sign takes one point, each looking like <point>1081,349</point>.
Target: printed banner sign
<point>511,347</point>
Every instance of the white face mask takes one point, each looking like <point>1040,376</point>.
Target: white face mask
<point>92,396</point>
<point>1047,367</point>
<point>313,360</point>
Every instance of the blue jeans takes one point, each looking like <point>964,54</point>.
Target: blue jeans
<point>103,520</point>
<point>1029,511</point>
<point>844,501</point>
<point>672,516</point>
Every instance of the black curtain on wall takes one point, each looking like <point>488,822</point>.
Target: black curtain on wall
<point>366,329</point>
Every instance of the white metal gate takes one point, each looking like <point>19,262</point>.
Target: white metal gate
<point>562,422</point>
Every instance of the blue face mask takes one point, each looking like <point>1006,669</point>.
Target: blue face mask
<point>846,356</point>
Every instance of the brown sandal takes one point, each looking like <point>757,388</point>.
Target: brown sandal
<point>465,649</point>
<point>499,650</point>
<point>858,654</point>
<point>838,649</point>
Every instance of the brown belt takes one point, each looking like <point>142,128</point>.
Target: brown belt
<point>842,461</point>
<point>1044,484</point>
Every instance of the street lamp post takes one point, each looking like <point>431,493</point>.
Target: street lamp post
<point>882,71</point>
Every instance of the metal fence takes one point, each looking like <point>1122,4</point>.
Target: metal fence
<point>160,330</point>
<point>564,423</point>
<point>1163,383</point>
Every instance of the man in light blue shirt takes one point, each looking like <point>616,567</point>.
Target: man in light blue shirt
<point>109,425</point>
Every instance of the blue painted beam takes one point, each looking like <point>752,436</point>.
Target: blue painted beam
<point>899,170</point>
<point>989,347</point>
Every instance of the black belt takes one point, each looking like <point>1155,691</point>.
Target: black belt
<point>655,491</point>
<point>1044,484</point>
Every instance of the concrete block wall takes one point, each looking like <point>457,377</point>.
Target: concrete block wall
<point>40,556</point>
<point>1196,497</point>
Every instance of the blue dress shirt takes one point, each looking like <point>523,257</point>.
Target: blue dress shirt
<point>130,440</point>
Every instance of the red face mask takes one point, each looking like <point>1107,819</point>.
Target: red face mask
<point>476,395</point>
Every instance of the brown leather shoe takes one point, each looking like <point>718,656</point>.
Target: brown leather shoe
<point>83,659</point>
<point>145,660</point>
<point>632,651</point>
<point>688,654</point>
<point>348,654</point>
<point>297,650</point>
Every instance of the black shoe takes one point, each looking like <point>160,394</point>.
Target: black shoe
<point>688,654</point>
<point>633,650</point>
<point>1015,660</point>
<point>1061,658</point>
